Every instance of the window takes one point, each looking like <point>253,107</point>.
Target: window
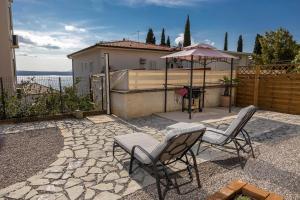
<point>142,61</point>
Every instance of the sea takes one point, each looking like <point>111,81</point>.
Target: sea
<point>45,78</point>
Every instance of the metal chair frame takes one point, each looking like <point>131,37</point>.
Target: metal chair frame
<point>156,166</point>
<point>239,142</point>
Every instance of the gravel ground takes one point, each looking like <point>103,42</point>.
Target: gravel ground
<point>24,154</point>
<point>276,168</point>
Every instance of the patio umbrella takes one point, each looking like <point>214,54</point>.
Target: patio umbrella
<point>199,52</point>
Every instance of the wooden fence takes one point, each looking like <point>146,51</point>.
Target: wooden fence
<point>270,87</point>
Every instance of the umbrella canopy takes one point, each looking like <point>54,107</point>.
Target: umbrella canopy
<point>200,51</point>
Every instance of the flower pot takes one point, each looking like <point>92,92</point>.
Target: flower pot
<point>225,101</point>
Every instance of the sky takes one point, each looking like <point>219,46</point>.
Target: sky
<point>49,30</point>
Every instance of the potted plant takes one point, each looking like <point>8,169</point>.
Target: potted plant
<point>225,98</point>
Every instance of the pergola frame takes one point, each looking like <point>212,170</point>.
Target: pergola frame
<point>222,57</point>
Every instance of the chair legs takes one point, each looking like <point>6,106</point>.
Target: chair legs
<point>238,152</point>
<point>198,149</point>
<point>160,196</point>
<point>131,164</point>
<point>247,138</point>
<point>196,168</point>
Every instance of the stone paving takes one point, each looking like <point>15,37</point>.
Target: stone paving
<point>85,168</point>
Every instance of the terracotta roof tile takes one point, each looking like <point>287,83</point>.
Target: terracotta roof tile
<point>134,45</point>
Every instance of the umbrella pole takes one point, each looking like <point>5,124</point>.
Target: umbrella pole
<point>230,89</point>
<point>191,87</point>
<point>166,85</point>
<point>203,86</point>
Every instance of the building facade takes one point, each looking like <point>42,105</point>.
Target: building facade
<point>126,55</point>
<point>8,42</point>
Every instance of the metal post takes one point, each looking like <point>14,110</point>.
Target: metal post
<point>166,85</point>
<point>230,89</point>
<point>102,93</point>
<point>107,78</point>
<point>90,88</point>
<point>203,84</point>
<point>60,96</point>
<point>3,98</point>
<point>191,87</point>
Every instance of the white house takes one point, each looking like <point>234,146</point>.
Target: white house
<point>126,54</point>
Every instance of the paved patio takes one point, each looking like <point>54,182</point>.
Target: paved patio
<point>85,168</point>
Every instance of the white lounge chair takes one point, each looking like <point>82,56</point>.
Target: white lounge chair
<point>155,156</point>
<point>235,133</point>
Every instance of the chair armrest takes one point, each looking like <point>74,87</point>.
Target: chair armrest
<point>143,150</point>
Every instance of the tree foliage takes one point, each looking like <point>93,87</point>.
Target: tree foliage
<point>278,47</point>
<point>240,44</point>
<point>297,58</point>
<point>163,38</point>
<point>168,42</point>
<point>150,39</point>
<point>187,33</point>
<point>257,45</point>
<point>226,42</point>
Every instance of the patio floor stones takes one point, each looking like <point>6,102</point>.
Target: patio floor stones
<point>20,193</point>
<point>31,194</point>
<point>75,192</point>
<point>111,176</point>
<point>11,188</point>
<point>59,161</point>
<point>88,163</point>
<point>89,194</point>
<point>72,181</point>
<point>107,196</point>
<point>38,182</point>
<point>82,171</point>
<point>66,153</point>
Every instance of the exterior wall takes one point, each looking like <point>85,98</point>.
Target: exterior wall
<point>130,59</point>
<point>119,59</point>
<point>84,66</point>
<point>124,104</point>
<point>149,102</point>
<point>7,55</point>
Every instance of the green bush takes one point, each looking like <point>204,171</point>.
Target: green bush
<point>46,103</point>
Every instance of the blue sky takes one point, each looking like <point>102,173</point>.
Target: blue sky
<point>51,29</point>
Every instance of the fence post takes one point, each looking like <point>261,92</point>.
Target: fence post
<point>2,98</point>
<point>256,85</point>
<point>60,96</point>
<point>90,88</point>
<point>102,93</point>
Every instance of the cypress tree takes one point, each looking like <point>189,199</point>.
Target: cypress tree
<point>154,40</point>
<point>168,42</point>
<point>150,36</point>
<point>187,33</point>
<point>257,45</point>
<point>240,44</point>
<point>163,38</point>
<point>226,42</point>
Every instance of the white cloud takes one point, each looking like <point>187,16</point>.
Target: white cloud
<point>71,28</point>
<point>179,39</point>
<point>207,41</point>
<point>50,40</point>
